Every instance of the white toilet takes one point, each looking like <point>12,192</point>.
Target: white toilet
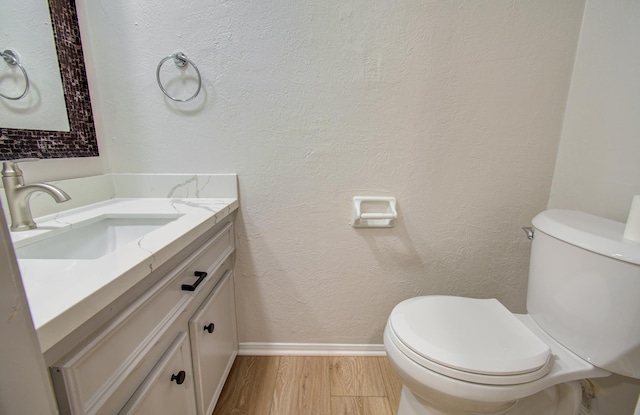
<point>472,356</point>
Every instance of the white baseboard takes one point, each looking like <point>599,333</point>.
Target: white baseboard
<point>310,349</point>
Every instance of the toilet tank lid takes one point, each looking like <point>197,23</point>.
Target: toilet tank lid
<point>590,232</point>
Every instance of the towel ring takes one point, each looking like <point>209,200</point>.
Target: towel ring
<point>181,60</point>
<point>12,59</point>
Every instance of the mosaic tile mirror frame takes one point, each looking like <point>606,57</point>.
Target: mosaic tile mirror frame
<point>80,141</point>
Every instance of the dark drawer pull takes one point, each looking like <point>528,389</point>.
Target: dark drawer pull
<point>209,327</point>
<point>201,276</point>
<point>179,378</point>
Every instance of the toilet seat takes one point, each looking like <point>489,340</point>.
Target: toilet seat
<point>475,340</point>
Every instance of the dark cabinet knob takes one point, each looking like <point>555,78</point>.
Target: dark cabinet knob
<point>209,327</point>
<point>179,378</point>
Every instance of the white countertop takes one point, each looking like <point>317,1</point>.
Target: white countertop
<point>64,293</point>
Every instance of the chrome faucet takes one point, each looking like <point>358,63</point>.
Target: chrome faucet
<point>18,194</point>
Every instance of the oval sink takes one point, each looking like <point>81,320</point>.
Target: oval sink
<point>91,240</point>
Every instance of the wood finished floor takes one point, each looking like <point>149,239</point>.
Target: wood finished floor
<point>317,385</point>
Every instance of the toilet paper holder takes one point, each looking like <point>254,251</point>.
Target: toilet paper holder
<point>374,212</point>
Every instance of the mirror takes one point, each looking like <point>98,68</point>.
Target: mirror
<point>80,140</point>
<point>41,106</point>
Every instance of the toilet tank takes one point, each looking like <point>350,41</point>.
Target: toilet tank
<point>584,288</point>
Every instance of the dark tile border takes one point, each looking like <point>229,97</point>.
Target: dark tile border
<point>81,140</point>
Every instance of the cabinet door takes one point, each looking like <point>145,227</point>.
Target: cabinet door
<point>169,387</point>
<point>214,343</point>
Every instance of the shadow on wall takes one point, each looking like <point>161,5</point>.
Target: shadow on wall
<point>616,394</point>
<point>263,304</point>
<point>396,253</point>
<point>298,280</point>
<point>451,261</point>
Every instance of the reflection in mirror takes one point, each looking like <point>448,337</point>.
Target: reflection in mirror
<point>43,106</point>
<point>80,138</point>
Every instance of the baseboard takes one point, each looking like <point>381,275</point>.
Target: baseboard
<point>310,349</point>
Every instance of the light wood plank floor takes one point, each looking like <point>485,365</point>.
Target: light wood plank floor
<point>303,385</point>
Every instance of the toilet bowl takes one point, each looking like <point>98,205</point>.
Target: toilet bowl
<point>460,355</point>
<point>533,361</point>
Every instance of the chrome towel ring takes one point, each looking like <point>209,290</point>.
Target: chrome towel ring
<point>181,61</point>
<point>13,59</point>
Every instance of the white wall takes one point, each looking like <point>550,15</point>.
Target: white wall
<point>453,107</point>
<point>598,167</point>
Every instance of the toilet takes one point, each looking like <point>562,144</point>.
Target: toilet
<point>459,355</point>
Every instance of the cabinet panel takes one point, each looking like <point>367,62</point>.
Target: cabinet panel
<point>214,343</point>
<point>169,387</point>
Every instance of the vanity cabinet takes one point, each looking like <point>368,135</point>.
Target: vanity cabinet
<point>169,348</point>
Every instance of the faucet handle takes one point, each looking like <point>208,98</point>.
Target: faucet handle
<point>10,167</point>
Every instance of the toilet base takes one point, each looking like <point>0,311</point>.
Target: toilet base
<point>562,399</point>
<point>410,404</point>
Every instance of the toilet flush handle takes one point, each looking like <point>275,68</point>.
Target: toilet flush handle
<point>529,231</point>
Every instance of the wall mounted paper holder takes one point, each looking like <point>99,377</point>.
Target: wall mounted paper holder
<point>374,212</point>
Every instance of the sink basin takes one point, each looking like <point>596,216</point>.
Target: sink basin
<point>92,239</point>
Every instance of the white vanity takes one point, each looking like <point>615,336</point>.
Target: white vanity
<point>145,323</point>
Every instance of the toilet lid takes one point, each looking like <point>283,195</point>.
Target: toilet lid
<point>472,335</point>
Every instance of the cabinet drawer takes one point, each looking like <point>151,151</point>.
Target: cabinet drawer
<point>103,374</point>
<point>211,256</point>
<point>214,343</point>
<point>169,387</point>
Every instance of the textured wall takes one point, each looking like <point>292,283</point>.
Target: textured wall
<point>454,107</point>
<point>598,169</point>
